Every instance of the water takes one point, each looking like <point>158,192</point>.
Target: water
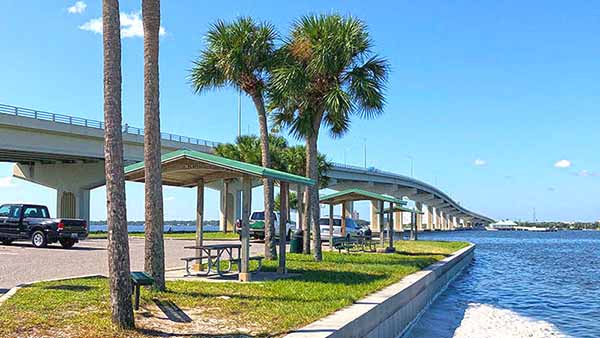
<point>521,284</point>
<point>167,228</point>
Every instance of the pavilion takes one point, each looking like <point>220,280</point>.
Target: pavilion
<point>352,195</point>
<point>413,219</point>
<point>187,168</point>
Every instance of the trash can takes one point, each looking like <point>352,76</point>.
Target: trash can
<point>296,242</point>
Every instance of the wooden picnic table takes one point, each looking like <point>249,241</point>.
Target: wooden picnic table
<point>214,254</point>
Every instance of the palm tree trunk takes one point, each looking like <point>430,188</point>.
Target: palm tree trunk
<point>118,244</point>
<point>154,254</point>
<point>306,221</point>
<point>312,165</point>
<point>270,245</point>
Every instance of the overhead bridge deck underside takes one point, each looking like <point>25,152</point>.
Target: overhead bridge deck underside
<point>66,153</point>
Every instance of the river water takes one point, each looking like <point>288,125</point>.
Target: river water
<point>521,284</point>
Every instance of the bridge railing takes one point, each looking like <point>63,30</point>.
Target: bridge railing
<point>83,122</point>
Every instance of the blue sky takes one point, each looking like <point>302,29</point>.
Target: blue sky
<point>487,97</point>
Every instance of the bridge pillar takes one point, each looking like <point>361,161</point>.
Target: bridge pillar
<point>439,221</point>
<point>72,181</point>
<point>349,209</point>
<point>375,216</point>
<point>227,206</point>
<point>398,221</point>
<point>430,226</point>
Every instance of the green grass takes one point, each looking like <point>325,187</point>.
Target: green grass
<point>176,235</point>
<point>267,308</point>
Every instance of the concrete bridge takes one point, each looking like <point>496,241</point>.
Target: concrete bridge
<point>66,153</point>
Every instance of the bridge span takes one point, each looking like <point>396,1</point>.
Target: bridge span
<point>66,153</point>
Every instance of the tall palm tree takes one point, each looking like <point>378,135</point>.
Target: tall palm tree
<point>327,74</point>
<point>116,213</point>
<point>240,55</point>
<point>154,250</point>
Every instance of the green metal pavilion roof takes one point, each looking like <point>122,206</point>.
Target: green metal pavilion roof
<point>184,168</point>
<point>357,195</point>
<point>399,208</point>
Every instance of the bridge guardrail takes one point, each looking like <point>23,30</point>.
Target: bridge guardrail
<point>83,122</point>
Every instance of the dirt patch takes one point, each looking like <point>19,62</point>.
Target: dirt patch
<point>153,321</point>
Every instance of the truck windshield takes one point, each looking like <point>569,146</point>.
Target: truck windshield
<point>260,216</point>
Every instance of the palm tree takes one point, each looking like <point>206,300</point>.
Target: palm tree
<point>240,55</point>
<point>154,250</point>
<point>326,74</point>
<point>116,213</point>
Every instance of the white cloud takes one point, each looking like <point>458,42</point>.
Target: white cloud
<point>562,164</point>
<point>94,25</point>
<point>131,26</point>
<point>587,173</point>
<point>479,162</point>
<point>169,199</point>
<point>7,182</point>
<point>78,8</point>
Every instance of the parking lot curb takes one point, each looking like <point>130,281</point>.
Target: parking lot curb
<point>14,290</point>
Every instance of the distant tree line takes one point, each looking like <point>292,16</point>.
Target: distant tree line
<point>563,225</point>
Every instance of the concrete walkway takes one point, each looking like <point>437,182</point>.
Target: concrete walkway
<point>20,262</point>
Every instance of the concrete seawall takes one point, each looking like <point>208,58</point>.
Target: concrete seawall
<point>390,312</point>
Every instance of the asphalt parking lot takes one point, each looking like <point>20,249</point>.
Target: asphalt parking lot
<point>20,262</point>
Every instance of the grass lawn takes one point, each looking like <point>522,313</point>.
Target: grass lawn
<point>81,307</point>
<point>176,235</point>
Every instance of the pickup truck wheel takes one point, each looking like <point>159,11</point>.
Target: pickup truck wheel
<point>38,239</point>
<point>67,243</point>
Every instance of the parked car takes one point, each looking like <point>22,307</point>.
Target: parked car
<point>32,222</point>
<point>352,228</point>
<point>257,225</point>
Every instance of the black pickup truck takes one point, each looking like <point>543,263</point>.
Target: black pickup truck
<point>33,222</point>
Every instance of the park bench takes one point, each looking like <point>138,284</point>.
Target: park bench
<point>139,278</point>
<point>360,243</point>
<point>344,243</point>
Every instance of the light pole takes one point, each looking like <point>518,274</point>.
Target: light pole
<point>239,113</point>
<point>412,160</point>
<point>365,151</point>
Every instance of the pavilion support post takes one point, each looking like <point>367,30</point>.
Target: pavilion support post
<point>343,224</point>
<point>413,227</point>
<point>419,221</point>
<point>299,207</point>
<point>245,252</point>
<point>283,209</point>
<point>390,247</point>
<point>381,224</point>
<point>331,226</point>
<point>199,221</point>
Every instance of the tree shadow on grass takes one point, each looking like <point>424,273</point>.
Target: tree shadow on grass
<point>69,287</point>
<point>157,333</point>
<point>57,247</point>
<point>416,254</point>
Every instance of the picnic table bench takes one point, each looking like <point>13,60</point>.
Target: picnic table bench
<point>217,253</point>
<point>361,243</point>
<point>139,278</point>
